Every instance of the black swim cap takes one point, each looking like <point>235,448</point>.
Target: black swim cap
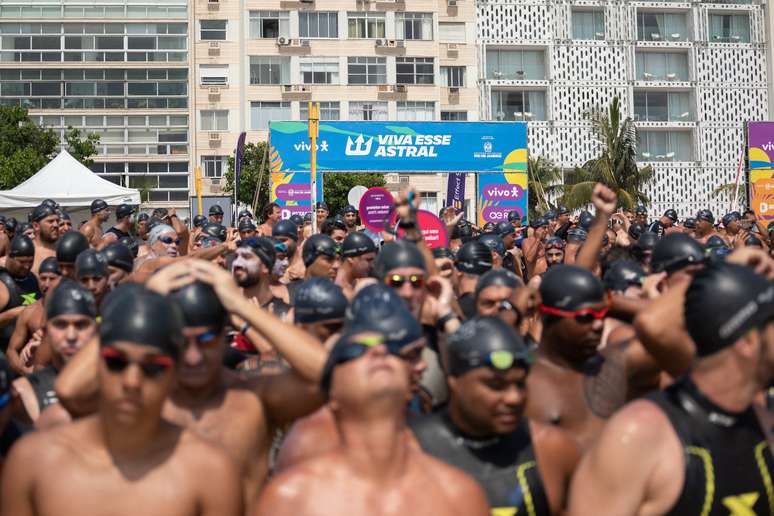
<point>577,235</point>
<point>263,248</point>
<point>505,228</point>
<point>23,227</point>
<point>442,252</point>
<point>676,251</point>
<point>245,213</point>
<point>498,278</point>
<point>200,306</point>
<point>715,241</point>
<point>396,255</point>
<point>131,243</point>
<point>199,221</point>
<point>319,300</point>
<point>50,203</point>
<point>562,210</point>
<point>489,227</point>
<point>622,275</point>
<point>285,228</point>
<point>378,308</point>
<point>706,216</point>
<point>671,214</point>
<point>513,216</point>
<point>215,209</point>
<point>41,212</point>
<point>296,219</point>
<point>493,242</point>
<point>98,205</point>
<point>318,245</point>
<point>140,316</point>
<point>486,342</point>
<point>63,215</point>
<point>91,263</point>
<point>10,224</point>
<point>357,243</point>
<point>584,220</point>
<point>70,298</point>
<point>349,209</point>
<point>474,257</point>
<point>753,241</point>
<point>640,209</point>
<point>462,231</point>
<point>538,222</point>
<point>21,246</point>
<point>690,223</point>
<point>215,230</point>
<point>321,205</point>
<point>569,287</point>
<point>119,255</point>
<point>70,245</point>
<point>723,302</point>
<point>350,346</point>
<point>146,217</point>
<point>648,241</point>
<point>635,230</point>
<point>246,225</point>
<point>50,266</point>
<point>550,215</point>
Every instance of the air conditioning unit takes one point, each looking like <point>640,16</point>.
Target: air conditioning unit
<point>296,88</point>
<point>385,88</point>
<point>306,1</point>
<point>380,42</point>
<point>305,43</point>
<point>452,46</point>
<point>214,48</point>
<point>283,41</point>
<point>400,88</point>
<point>215,181</point>
<point>213,93</point>
<point>215,44</point>
<point>213,5</point>
<point>214,137</point>
<point>454,90</point>
<point>400,44</point>
<point>451,3</point>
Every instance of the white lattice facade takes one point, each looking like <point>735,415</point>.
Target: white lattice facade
<point>690,73</point>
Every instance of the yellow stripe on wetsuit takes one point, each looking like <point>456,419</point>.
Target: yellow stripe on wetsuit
<point>521,476</point>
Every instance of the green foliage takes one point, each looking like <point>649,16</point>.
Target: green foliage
<point>337,186</point>
<point>544,184</point>
<point>616,166</point>
<point>252,158</point>
<point>81,147</point>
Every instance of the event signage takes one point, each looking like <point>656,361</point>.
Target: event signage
<point>375,208</point>
<point>455,191</point>
<point>760,148</point>
<point>432,228</point>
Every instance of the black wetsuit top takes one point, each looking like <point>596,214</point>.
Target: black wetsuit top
<point>467,303</point>
<point>504,466</point>
<point>657,228</point>
<point>293,286</point>
<point>117,232</point>
<point>728,462</point>
<point>42,383</point>
<point>21,292</point>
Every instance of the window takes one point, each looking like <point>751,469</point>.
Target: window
<point>214,120</point>
<point>261,113</point>
<point>416,111</point>
<point>213,75</point>
<point>451,32</point>
<point>729,28</point>
<point>428,201</point>
<point>662,26</point>
<point>367,70</point>
<point>269,70</point>
<point>214,166</point>
<point>454,116</point>
<point>319,71</point>
<point>661,66</point>
<point>328,111</point>
<point>664,146</point>
<point>404,179</point>
<point>269,24</point>
<point>588,25</point>
<point>213,30</point>
<point>365,25</point>
<point>515,64</point>
<point>368,111</point>
<point>318,24</point>
<point>519,105</point>
<point>453,76</point>
<point>414,26</point>
<point>415,70</point>
<point>662,106</point>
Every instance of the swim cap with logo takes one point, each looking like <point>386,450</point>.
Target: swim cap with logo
<point>674,252</point>
<point>357,243</point>
<point>200,306</point>
<point>70,298</point>
<point>505,228</point>
<point>319,300</point>
<point>285,228</point>
<point>397,255</point>
<point>318,245</point>
<point>246,224</point>
<point>21,246</point>
<point>622,275</point>
<point>215,230</point>
<point>119,255</point>
<point>98,205</point>
<point>442,252</point>
<point>199,221</point>
<point>50,266</point>
<point>91,263</point>
<point>41,212</point>
<point>263,248</point>
<point>70,245</point>
<point>474,258</point>
<point>498,278</point>
<point>486,342</point>
<point>215,209</point>
<point>585,219</point>
<point>568,287</point>
<point>124,210</point>
<point>493,242</point>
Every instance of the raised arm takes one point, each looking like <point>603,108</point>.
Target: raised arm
<point>604,200</point>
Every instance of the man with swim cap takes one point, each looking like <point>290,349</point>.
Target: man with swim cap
<point>350,218</point>
<point>358,254</point>
<point>216,214</point>
<point>401,266</point>
<point>664,223</point>
<point>27,333</point>
<point>705,226</point>
<point>122,227</point>
<point>70,324</point>
<point>117,457</point>
<point>321,256</point>
<point>120,261</point>
<point>18,286</point>
<point>321,213</point>
<point>69,246</point>
<point>272,214</point>
<point>45,224</point>
<point>678,255</point>
<point>92,230</point>
<point>320,308</point>
<point>473,259</point>
<point>91,271</point>
<point>493,295</point>
<point>572,384</point>
<point>335,228</point>
<point>523,466</point>
<point>368,386</point>
<point>698,446</point>
<point>246,229</point>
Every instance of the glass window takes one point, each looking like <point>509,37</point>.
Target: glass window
<point>662,106</point>
<point>269,24</point>
<point>454,116</point>
<point>588,24</point>
<point>368,111</point>
<point>414,26</point>
<point>661,66</point>
<point>213,75</point>
<point>214,30</point>
<point>519,105</point>
<point>664,145</point>
<point>416,111</point>
<point>729,28</point>
<point>328,111</point>
<point>319,71</point>
<point>318,24</point>
<point>515,64</point>
<point>214,120</point>
<point>365,25</point>
<point>214,166</point>
<point>269,70</point>
<point>453,76</point>
<point>415,70</point>
<point>451,32</point>
<point>367,70</point>
<point>662,26</point>
<point>428,201</point>
<point>261,113</point>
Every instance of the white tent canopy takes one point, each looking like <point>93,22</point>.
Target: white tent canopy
<point>65,180</point>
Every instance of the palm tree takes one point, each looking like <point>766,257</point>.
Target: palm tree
<point>544,184</point>
<point>616,167</point>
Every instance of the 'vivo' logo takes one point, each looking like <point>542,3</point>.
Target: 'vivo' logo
<point>767,146</point>
<point>306,147</point>
<point>503,192</point>
<point>358,147</point>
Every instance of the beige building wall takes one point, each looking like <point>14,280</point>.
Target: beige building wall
<point>453,43</point>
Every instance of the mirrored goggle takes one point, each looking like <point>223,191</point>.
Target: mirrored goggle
<point>151,367</point>
<point>582,316</point>
<point>397,281</point>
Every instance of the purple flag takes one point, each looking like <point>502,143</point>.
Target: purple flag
<point>455,191</point>
<point>237,174</point>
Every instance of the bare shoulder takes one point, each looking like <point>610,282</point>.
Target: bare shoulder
<point>551,438</point>
<point>462,490</point>
<point>297,483</point>
<point>51,447</point>
<point>308,437</point>
<point>200,454</point>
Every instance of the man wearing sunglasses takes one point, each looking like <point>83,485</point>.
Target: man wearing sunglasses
<point>358,254</point>
<point>123,456</point>
<point>573,386</point>
<point>523,466</point>
<point>367,386</point>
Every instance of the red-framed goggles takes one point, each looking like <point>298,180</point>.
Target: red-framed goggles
<point>582,316</point>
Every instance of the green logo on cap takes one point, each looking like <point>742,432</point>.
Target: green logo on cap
<point>501,359</point>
